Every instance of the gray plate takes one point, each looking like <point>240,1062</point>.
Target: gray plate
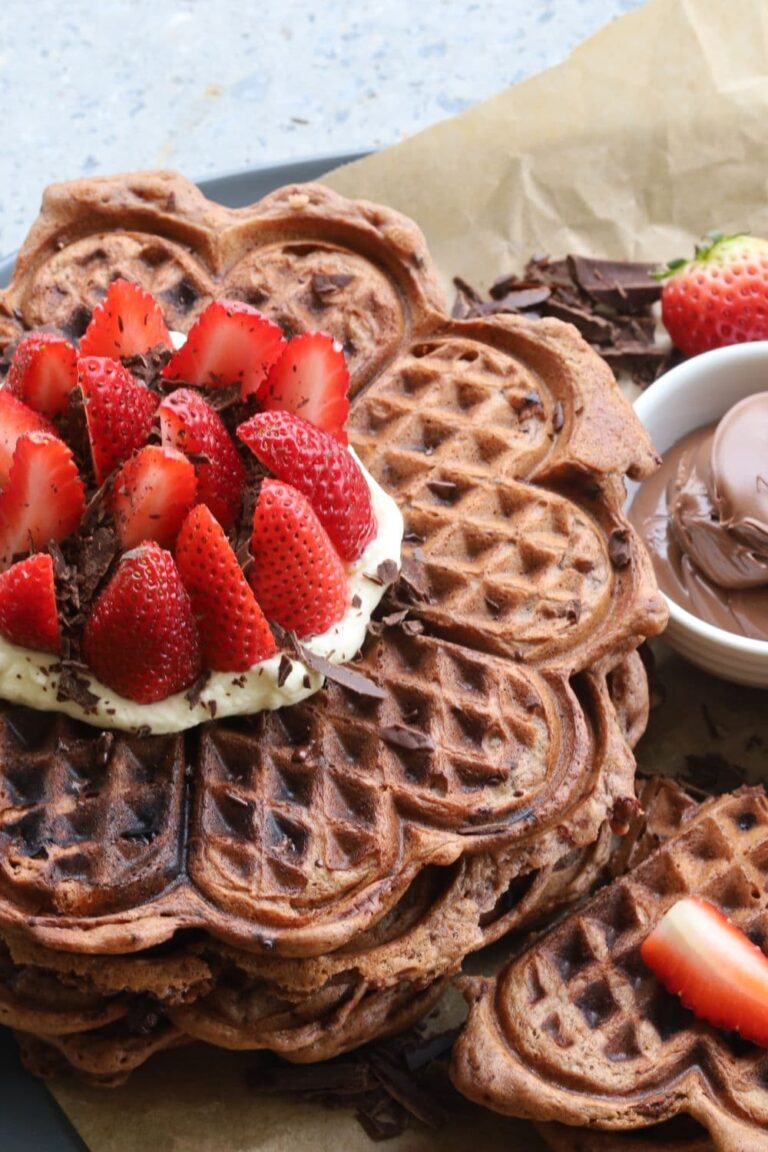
<point>30,1120</point>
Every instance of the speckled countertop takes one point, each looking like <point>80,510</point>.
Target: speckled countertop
<point>214,86</point>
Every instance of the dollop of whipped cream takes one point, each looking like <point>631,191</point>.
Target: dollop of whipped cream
<point>719,504</point>
<point>32,678</point>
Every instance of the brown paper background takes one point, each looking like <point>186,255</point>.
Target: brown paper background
<point>653,132</point>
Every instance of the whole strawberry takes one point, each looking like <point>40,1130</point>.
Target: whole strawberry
<point>720,297</point>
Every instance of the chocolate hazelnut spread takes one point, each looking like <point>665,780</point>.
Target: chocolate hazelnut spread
<point>704,518</point>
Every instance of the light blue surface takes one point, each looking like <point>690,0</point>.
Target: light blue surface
<point>212,86</point>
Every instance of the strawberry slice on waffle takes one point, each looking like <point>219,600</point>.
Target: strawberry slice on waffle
<point>229,343</point>
<point>151,495</point>
<point>127,323</point>
<point>44,498</point>
<point>28,613</point>
<point>141,638</point>
<point>321,469</point>
<point>118,409</point>
<point>233,629</point>
<point>296,574</point>
<point>43,372</point>
<point>190,425</point>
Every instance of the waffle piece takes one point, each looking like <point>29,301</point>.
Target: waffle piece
<point>578,1030</point>
<point>173,974</point>
<point>317,1027</point>
<point>104,1058</point>
<point>37,1001</point>
<point>304,830</point>
<point>303,255</point>
<point>456,430</point>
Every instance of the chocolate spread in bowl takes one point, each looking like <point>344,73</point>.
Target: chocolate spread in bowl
<point>704,518</point>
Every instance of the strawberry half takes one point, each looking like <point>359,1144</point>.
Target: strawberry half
<point>119,411</point>
<point>28,613</point>
<point>190,425</point>
<point>311,379</point>
<point>126,323</point>
<point>229,343</point>
<point>16,420</point>
<point>296,573</point>
<point>233,631</point>
<point>321,469</point>
<point>717,972</point>
<point>151,495</point>
<point>43,372</point>
<point>141,638</point>
<point>44,498</point>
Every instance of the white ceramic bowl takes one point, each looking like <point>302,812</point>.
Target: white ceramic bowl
<point>697,392</point>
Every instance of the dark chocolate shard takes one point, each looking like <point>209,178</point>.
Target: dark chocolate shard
<point>387,572</point>
<point>284,670</point>
<point>401,736</point>
<point>73,686</point>
<point>343,675</point>
<point>626,286</point>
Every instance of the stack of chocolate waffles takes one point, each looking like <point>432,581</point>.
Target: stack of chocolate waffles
<point>306,880</point>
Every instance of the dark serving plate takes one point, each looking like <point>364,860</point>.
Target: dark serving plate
<point>30,1119</point>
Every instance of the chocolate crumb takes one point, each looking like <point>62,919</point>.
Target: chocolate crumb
<point>195,690</point>
<point>624,811</point>
<point>325,285</point>
<point>73,686</point>
<point>284,670</point>
<point>386,573</point>
<point>619,549</point>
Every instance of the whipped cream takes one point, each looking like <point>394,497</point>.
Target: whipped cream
<point>32,678</point>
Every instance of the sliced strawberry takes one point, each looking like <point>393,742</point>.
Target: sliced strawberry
<point>322,470</point>
<point>141,638</point>
<point>717,972</point>
<point>233,631</point>
<point>16,420</point>
<point>296,573</point>
<point>127,322</point>
<point>151,495</point>
<point>119,411</point>
<point>229,343</point>
<point>44,498</point>
<point>28,605</point>
<point>189,424</point>
<point>43,372</point>
<point>312,380</point>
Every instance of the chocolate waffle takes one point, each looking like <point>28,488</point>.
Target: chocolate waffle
<point>336,859</point>
<point>579,1031</point>
<point>465,752</point>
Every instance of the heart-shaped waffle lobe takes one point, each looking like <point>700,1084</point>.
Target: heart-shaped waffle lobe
<point>579,1030</point>
<point>343,855</point>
